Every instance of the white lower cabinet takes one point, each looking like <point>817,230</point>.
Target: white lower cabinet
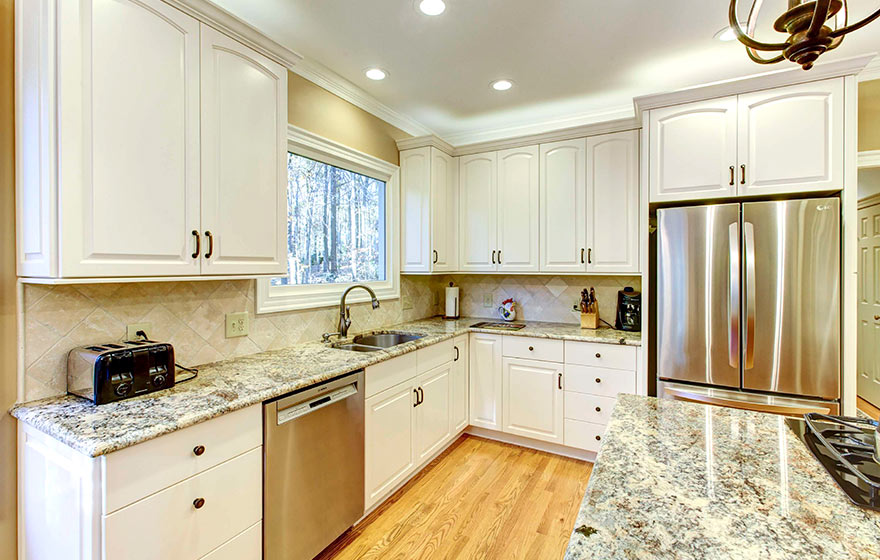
<point>458,414</point>
<point>485,380</point>
<point>388,440</point>
<point>432,411</point>
<point>532,399</point>
<point>245,546</point>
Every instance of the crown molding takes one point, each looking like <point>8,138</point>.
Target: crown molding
<point>755,82</point>
<point>869,158</point>
<point>223,21</point>
<point>431,140</point>
<point>871,71</point>
<point>326,78</point>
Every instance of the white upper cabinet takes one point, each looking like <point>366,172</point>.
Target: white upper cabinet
<point>429,211</point>
<point>518,210</point>
<point>791,139</point>
<point>613,202</point>
<point>692,153</point>
<point>118,107</point>
<point>563,206</point>
<point>244,159</point>
<point>478,199</point>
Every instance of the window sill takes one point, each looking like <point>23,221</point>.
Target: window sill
<point>275,299</point>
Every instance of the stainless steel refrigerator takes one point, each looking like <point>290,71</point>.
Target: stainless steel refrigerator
<point>748,304</point>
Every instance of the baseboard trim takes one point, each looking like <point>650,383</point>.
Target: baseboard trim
<point>555,448</point>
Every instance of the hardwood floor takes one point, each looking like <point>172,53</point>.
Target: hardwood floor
<point>479,499</point>
<point>868,408</point>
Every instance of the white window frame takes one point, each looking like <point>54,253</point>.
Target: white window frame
<point>273,299</point>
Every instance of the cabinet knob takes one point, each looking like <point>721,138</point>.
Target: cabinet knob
<point>598,438</point>
<point>598,380</point>
<point>598,409</point>
<point>598,355</point>
<point>877,317</point>
<point>199,502</point>
<point>198,450</point>
<point>531,348</point>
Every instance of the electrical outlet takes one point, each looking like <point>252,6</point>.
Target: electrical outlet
<point>132,329</point>
<point>488,299</point>
<point>236,324</point>
<point>406,302</point>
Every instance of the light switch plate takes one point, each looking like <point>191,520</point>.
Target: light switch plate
<point>132,329</point>
<point>488,299</point>
<point>406,302</point>
<point>237,324</point>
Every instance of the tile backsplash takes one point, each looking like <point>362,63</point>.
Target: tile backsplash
<point>191,315</point>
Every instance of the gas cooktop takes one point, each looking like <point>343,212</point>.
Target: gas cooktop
<point>848,449</point>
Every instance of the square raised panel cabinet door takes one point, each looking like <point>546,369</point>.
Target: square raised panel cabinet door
<point>791,139</point>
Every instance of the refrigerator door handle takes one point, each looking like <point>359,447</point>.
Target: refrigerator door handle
<point>749,256</point>
<point>733,291</point>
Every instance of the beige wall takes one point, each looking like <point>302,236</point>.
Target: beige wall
<point>7,288</point>
<point>317,110</point>
<point>869,115</point>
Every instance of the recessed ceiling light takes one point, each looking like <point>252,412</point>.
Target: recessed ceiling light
<point>376,74</point>
<point>501,85</point>
<point>432,7</point>
<point>727,34</point>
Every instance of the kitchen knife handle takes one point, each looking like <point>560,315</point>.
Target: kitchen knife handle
<point>733,291</point>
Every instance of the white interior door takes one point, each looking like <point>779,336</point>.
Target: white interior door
<point>485,380</point>
<point>244,159</point>
<point>444,211</point>
<point>388,440</point>
<point>477,197</point>
<point>459,386</point>
<point>613,202</point>
<point>791,139</point>
<point>432,413</point>
<point>532,397</point>
<point>518,209</point>
<point>563,206</point>
<point>415,208</point>
<point>129,128</point>
<point>692,151</point>
<point>869,305</point>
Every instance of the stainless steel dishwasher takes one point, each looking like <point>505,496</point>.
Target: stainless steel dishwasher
<point>313,478</point>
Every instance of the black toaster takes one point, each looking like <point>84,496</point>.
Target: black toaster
<point>114,371</point>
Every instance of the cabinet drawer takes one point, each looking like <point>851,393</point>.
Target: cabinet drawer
<point>247,545</point>
<point>168,525</point>
<point>599,381</point>
<point>602,355</point>
<point>435,355</point>
<point>545,349</point>
<point>588,408</point>
<point>385,375</point>
<point>143,469</point>
<point>583,435</point>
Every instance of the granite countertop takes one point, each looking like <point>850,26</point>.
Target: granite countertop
<point>690,481</point>
<point>229,385</point>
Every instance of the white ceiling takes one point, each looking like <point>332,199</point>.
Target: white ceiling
<point>572,61</point>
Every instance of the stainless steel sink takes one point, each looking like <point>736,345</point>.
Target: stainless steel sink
<point>386,340</point>
<point>376,341</point>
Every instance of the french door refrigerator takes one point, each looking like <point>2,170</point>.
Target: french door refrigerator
<point>748,304</point>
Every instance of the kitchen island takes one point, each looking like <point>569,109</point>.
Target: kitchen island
<point>690,481</point>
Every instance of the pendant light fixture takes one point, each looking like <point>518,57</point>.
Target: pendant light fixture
<point>812,27</point>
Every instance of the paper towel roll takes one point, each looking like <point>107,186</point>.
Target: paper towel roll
<point>452,305</point>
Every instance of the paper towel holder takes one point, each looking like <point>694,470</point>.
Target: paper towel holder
<point>452,310</point>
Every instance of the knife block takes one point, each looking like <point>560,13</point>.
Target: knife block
<point>590,320</point>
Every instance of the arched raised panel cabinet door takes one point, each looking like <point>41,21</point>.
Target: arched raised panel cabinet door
<point>532,397</point>
<point>563,206</point>
<point>478,202</point>
<point>791,139</point>
<point>693,151</point>
<point>613,202</point>
<point>128,139</point>
<point>415,217</point>
<point>485,380</point>
<point>518,210</point>
<point>244,159</point>
<point>444,212</point>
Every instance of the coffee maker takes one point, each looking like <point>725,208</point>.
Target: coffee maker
<point>629,310</point>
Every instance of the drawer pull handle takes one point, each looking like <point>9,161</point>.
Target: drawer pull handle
<point>198,503</point>
<point>598,409</point>
<point>598,438</point>
<point>531,348</point>
<point>198,450</point>
<point>598,355</point>
<point>598,380</point>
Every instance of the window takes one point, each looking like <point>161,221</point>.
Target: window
<point>342,227</point>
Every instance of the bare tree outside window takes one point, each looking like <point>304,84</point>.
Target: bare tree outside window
<point>335,225</point>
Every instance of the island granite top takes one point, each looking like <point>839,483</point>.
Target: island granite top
<point>229,385</point>
<point>690,481</point>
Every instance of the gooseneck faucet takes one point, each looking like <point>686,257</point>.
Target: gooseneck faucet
<point>345,311</point>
